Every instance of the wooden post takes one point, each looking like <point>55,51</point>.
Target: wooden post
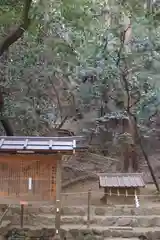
<point>105,195</point>
<point>22,216</point>
<point>58,218</point>
<point>89,208</point>
<point>58,198</point>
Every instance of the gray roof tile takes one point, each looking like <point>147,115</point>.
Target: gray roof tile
<point>121,180</point>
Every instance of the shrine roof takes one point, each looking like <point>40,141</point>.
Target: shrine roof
<point>41,144</point>
<point>121,180</point>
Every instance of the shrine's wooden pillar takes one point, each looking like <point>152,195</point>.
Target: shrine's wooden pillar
<point>58,194</point>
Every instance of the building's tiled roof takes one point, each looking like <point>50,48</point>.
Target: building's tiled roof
<point>121,180</point>
<point>40,144</point>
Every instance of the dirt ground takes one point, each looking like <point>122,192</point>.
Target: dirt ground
<point>77,194</point>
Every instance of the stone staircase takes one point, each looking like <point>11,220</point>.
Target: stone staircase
<point>105,222</point>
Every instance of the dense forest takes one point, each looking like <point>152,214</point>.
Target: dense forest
<point>89,66</point>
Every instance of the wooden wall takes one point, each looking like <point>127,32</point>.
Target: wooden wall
<point>17,169</point>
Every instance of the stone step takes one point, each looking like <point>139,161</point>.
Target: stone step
<point>82,210</point>
<point>107,221</point>
<point>126,211</point>
<point>100,231</point>
<point>112,211</point>
<point>121,238</point>
<point>152,233</point>
<point>122,221</point>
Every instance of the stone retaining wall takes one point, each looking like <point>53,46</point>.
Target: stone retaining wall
<point>121,216</point>
<point>7,232</point>
<point>142,220</point>
<point>82,211</point>
<point>110,211</point>
<point>112,221</point>
<point>75,234</point>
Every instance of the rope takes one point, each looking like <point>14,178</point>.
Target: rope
<point>112,194</point>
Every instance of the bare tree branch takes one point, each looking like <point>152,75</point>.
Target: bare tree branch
<point>153,115</point>
<point>57,96</point>
<point>62,122</point>
<point>136,101</point>
<point>122,39</point>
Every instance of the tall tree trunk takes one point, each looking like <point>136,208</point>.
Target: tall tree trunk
<point>134,130</point>
<point>138,138</point>
<point>149,6</point>
<point>4,121</point>
<point>4,46</point>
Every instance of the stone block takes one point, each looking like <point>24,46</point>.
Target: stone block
<point>90,237</point>
<point>74,233</point>
<point>30,209</point>
<point>156,221</point>
<point>97,232</point>
<point>107,233</point>
<point>45,220</point>
<point>100,211</point>
<point>94,220</point>
<point>116,234</point>
<point>155,235</point>
<point>73,211</point>
<point>87,231</point>
<point>118,211</point>
<point>135,223</point>
<point>69,236</point>
<point>124,221</point>
<point>109,221</point>
<point>34,233</point>
<point>75,220</point>
<point>99,238</point>
<point>128,234</point>
<point>145,222</point>
<point>47,209</point>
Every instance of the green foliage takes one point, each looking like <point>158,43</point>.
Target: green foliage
<point>72,46</point>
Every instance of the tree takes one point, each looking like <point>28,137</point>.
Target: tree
<point>71,61</point>
<point>4,46</point>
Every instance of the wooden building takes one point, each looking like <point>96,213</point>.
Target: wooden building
<point>120,187</point>
<point>30,167</point>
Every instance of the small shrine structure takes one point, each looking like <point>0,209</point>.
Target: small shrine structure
<point>121,187</point>
<point>31,168</point>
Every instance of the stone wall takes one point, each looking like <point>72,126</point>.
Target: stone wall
<point>7,232</point>
<point>76,234</point>
<point>106,222</point>
<point>48,234</point>
<point>107,216</point>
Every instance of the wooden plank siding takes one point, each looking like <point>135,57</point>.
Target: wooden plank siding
<point>15,171</point>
